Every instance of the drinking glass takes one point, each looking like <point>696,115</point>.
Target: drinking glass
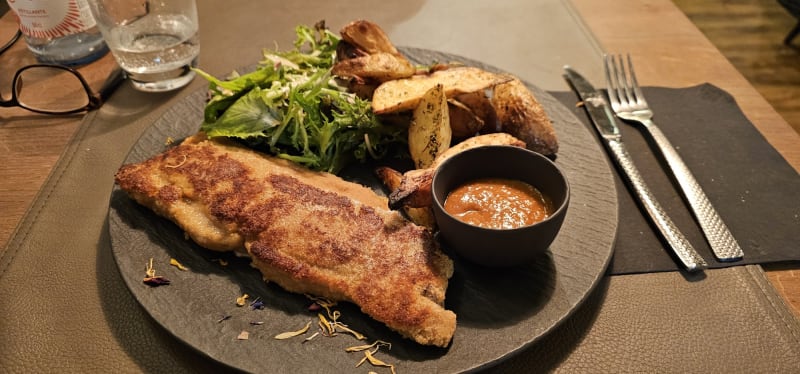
<point>155,42</point>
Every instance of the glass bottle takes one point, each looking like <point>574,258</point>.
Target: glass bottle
<point>59,31</point>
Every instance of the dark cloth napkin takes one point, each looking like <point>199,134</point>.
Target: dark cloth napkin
<point>755,191</point>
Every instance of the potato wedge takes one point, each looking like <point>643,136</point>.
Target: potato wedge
<point>405,94</point>
<point>521,115</point>
<point>362,88</point>
<point>429,133</point>
<point>415,186</point>
<point>368,37</point>
<point>478,141</point>
<point>463,121</point>
<point>345,50</point>
<point>421,216</point>
<point>415,190</point>
<point>380,66</point>
<point>482,107</point>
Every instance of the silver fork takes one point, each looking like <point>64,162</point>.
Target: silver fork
<point>629,104</point>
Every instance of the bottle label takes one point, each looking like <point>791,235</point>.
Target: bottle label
<point>48,19</point>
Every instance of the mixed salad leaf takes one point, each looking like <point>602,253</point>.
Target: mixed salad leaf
<point>291,106</point>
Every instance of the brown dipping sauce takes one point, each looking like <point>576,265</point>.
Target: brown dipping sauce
<point>497,203</point>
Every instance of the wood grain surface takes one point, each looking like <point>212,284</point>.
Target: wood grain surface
<point>671,51</point>
<point>668,48</point>
<point>31,143</point>
<point>750,34</point>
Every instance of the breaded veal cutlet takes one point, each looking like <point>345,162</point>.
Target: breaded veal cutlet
<point>309,232</point>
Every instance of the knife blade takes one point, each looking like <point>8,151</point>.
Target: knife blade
<point>602,118</point>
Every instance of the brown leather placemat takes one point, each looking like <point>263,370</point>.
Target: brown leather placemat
<point>65,306</point>
<point>755,191</point>
<point>727,320</point>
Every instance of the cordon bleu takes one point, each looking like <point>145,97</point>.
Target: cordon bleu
<point>309,232</point>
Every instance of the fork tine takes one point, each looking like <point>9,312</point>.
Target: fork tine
<point>620,84</point>
<point>637,90</point>
<point>623,80</point>
<point>611,87</point>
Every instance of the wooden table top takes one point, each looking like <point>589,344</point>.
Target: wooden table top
<point>669,51</point>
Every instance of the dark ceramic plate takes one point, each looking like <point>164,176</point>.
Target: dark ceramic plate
<point>499,312</point>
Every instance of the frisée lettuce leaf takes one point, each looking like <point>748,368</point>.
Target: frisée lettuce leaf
<point>292,107</point>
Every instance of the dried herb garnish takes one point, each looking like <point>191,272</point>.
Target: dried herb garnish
<point>257,304</point>
<point>314,307</point>
<point>156,281</point>
<point>224,318</point>
<point>311,337</point>
<point>151,279</point>
<point>325,326</point>
<point>321,301</point>
<point>183,161</point>
<point>256,323</point>
<point>330,325</point>
<point>343,327</point>
<point>177,264</point>
<point>369,353</point>
<point>291,334</point>
<point>374,346</point>
<point>374,361</point>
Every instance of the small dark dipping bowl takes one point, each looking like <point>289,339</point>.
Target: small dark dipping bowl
<point>500,247</point>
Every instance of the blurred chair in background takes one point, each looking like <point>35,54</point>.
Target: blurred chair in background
<point>793,7</point>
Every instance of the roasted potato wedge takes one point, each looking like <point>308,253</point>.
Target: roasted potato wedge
<point>481,106</point>
<point>366,57</point>
<point>362,88</point>
<point>368,37</point>
<point>429,133</point>
<point>380,66</point>
<point>463,121</point>
<point>421,216</point>
<point>521,115</point>
<point>405,94</point>
<point>414,191</point>
<point>479,141</point>
<point>415,186</point>
<point>345,50</point>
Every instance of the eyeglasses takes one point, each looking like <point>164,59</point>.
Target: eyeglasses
<point>67,90</point>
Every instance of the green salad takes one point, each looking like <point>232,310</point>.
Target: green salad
<point>292,107</point>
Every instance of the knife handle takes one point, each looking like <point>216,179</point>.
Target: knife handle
<point>691,260</point>
<point>720,240</point>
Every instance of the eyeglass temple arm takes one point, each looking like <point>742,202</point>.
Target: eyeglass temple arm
<point>9,103</point>
<point>109,86</point>
<point>11,42</point>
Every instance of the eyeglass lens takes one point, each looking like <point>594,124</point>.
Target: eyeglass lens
<point>50,89</point>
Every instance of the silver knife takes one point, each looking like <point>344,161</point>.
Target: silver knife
<point>595,104</point>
